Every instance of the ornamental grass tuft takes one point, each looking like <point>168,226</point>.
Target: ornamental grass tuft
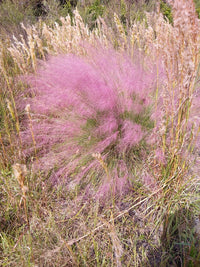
<point>85,106</point>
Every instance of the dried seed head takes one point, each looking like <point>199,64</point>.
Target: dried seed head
<point>27,108</point>
<point>20,172</point>
<point>10,108</point>
<point>96,156</point>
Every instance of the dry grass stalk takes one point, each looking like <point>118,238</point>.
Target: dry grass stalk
<point>27,109</point>
<point>121,31</point>
<point>3,157</point>
<point>67,38</point>
<point>20,172</point>
<point>62,38</point>
<point>112,220</point>
<point>179,46</point>
<point>103,164</point>
<point>117,247</point>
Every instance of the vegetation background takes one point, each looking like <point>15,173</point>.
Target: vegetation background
<point>99,133</point>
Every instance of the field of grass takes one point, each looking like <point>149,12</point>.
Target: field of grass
<point>99,133</point>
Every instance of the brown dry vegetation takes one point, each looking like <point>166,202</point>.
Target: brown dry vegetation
<point>43,224</point>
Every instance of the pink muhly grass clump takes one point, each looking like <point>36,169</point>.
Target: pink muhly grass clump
<point>97,104</point>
